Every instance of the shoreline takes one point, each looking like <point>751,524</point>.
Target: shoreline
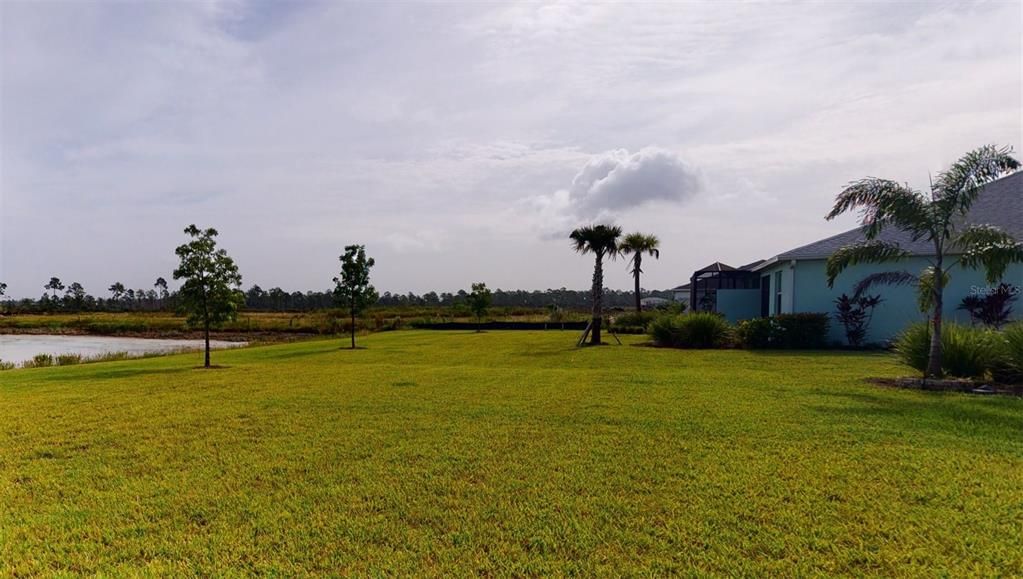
<point>228,336</point>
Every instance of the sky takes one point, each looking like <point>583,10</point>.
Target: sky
<point>461,142</point>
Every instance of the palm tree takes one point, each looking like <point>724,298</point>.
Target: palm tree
<point>637,244</point>
<point>937,219</point>
<point>601,241</point>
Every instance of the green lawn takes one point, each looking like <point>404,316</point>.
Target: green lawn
<point>503,453</point>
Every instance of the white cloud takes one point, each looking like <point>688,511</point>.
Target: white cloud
<point>615,182</point>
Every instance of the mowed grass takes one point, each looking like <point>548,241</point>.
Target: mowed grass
<point>502,453</point>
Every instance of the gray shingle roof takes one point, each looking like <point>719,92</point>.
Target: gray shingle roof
<point>1000,203</point>
<point>716,266</point>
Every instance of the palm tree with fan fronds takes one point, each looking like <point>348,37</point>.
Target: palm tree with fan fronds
<point>637,244</point>
<point>601,241</point>
<point>938,219</point>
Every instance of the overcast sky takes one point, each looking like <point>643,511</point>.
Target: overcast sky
<point>461,142</point>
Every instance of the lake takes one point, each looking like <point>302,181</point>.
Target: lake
<point>19,348</point>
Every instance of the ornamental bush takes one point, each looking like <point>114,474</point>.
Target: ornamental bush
<point>1008,368</point>
<point>967,352</point>
<point>694,330</point>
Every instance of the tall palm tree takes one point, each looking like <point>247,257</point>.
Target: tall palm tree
<point>637,244</point>
<point>601,241</point>
<point>936,218</point>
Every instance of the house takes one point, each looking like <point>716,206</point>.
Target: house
<point>680,294</point>
<point>795,280</point>
<point>652,303</point>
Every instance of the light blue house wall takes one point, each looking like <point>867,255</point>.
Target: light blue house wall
<point>804,288</point>
<point>738,304</point>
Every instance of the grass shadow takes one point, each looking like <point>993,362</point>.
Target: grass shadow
<point>113,374</point>
<point>931,412</point>
<point>298,354</point>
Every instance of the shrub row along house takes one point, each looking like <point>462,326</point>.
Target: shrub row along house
<point>796,282</point>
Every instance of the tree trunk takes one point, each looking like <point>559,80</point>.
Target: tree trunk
<point>598,298</point>
<point>934,356</point>
<point>353,329</point>
<point>635,274</point>
<point>206,364</point>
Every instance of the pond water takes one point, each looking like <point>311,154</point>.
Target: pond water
<point>19,348</point>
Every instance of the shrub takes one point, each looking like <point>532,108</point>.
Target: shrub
<point>913,345</point>
<point>111,357</point>
<point>855,313</point>
<point>633,322</point>
<point>695,330</point>
<point>803,331</point>
<point>68,359</point>
<point>966,352</point>
<point>1008,367</point>
<point>993,308</point>
<point>759,333</point>
<point>789,331</point>
<point>41,361</point>
<point>6,365</point>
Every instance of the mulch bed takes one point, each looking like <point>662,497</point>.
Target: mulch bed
<point>951,385</point>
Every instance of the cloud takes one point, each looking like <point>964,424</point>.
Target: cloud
<point>615,182</point>
<point>444,136</point>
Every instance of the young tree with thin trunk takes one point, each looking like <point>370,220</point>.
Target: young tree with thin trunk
<point>210,292</point>
<point>75,297</point>
<point>54,285</point>
<point>479,302</point>
<point>636,244</point>
<point>352,290</point>
<point>601,241</point>
<point>161,285</point>
<point>116,292</point>
<point>936,218</point>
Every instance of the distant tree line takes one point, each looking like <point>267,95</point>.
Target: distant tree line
<point>73,298</point>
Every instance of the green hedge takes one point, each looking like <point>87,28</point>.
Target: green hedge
<point>695,330</point>
<point>804,331</point>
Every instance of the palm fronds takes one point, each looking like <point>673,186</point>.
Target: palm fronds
<point>872,251</point>
<point>955,189</point>
<point>884,202</point>
<point>636,244</point>
<point>894,278</point>
<point>988,247</point>
<point>599,239</point>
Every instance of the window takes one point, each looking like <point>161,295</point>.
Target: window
<point>777,292</point>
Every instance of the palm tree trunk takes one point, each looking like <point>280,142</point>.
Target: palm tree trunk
<point>635,274</point>
<point>934,356</point>
<point>598,298</point>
